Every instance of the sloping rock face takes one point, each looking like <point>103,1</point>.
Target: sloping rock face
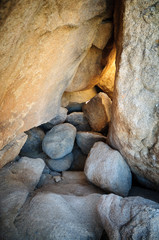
<point>42,44</point>
<point>11,150</point>
<point>129,218</point>
<point>135,124</point>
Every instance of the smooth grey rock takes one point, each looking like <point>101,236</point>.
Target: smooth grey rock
<point>86,140</point>
<point>61,164</point>
<point>16,181</point>
<point>51,216</point>
<point>106,168</point>
<point>78,159</point>
<point>129,218</point>
<point>60,118</point>
<point>33,146</point>
<point>79,121</point>
<point>59,141</point>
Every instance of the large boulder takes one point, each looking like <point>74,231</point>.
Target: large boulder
<point>60,217</point>
<point>62,210</point>
<point>106,168</point>
<point>41,56</point>
<point>59,141</point>
<point>16,181</point>
<point>129,218</point>
<point>12,149</point>
<point>135,124</point>
<point>98,111</point>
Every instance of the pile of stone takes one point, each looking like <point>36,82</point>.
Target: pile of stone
<point>75,141</point>
<point>70,184</point>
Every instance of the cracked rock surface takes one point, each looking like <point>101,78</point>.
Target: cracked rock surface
<point>135,120</point>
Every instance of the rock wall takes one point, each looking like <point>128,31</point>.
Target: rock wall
<point>135,124</point>
<point>42,43</point>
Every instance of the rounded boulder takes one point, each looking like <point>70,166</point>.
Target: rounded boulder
<point>59,141</point>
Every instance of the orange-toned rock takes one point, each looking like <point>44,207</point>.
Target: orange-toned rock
<point>107,77</point>
<point>69,98</point>
<point>98,111</point>
<point>42,44</point>
<point>88,71</point>
<point>87,75</point>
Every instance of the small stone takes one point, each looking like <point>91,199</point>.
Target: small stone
<point>106,168</point>
<point>129,218</point>
<point>59,141</point>
<point>86,140</point>
<point>61,164</point>
<point>57,179</point>
<point>79,121</point>
<point>33,146</point>
<point>98,111</point>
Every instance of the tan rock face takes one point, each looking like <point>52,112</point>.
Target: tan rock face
<point>12,149</point>
<point>87,75</point>
<point>107,77</point>
<point>42,44</point>
<point>69,98</point>
<point>135,124</point>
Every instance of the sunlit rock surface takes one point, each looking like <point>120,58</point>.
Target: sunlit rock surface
<point>107,77</point>
<point>42,44</point>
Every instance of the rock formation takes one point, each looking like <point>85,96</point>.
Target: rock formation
<point>135,119</point>
<point>42,43</point>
